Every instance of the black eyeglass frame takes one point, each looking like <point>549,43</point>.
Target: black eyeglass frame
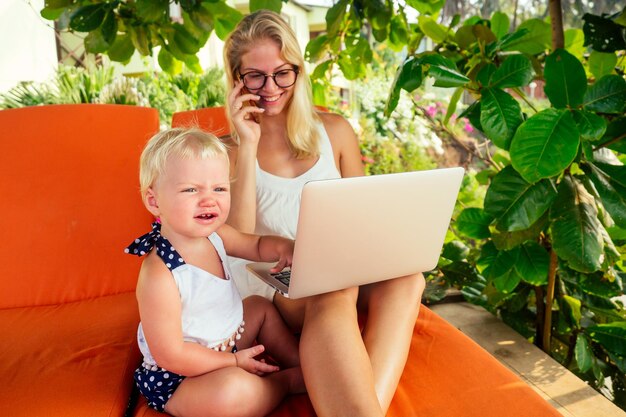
<point>272,75</point>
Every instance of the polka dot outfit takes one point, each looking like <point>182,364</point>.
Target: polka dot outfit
<point>212,312</point>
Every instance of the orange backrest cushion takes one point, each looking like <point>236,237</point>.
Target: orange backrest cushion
<point>70,201</point>
<point>210,119</point>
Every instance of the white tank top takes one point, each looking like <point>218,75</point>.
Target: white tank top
<point>278,205</point>
<point>211,306</point>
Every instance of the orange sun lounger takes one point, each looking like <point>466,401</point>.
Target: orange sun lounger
<point>68,315</point>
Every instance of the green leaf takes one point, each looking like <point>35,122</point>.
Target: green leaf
<point>485,74</point>
<point>459,272</point>
<point>536,38</point>
<point>610,182</point>
<point>574,43</point>
<point>516,71</point>
<point>455,250</point>
<point>474,223</point>
<point>408,77</point>
<point>95,42</point>
<point>500,116</point>
<point>603,34</point>
<point>334,17</point>
<point>316,48</point>
<point>510,240</point>
<point>431,7</point>
<point>571,307</point>
<point>225,17</point>
<point>533,263</point>
<point>565,79</point>
<point>602,63</point>
<point>576,233</point>
<point>432,29</point>
<point>184,41</point>
<point>500,24</point>
<point>140,38</point>
<point>274,5</point>
<point>443,71</point>
<point>168,63</point>
<point>507,282</point>
<point>52,14</point>
<point>545,144</point>
<point>122,49</point>
<point>378,15</point>
<point>503,262</point>
<point>611,336</point>
<point>590,125</point>
<point>464,37</point>
<point>398,33</point>
<point>616,134</point>
<point>599,285</point>
<point>607,95</point>
<point>87,18</point>
<point>150,11</point>
<point>515,203</point>
<point>202,19</point>
<point>109,27</point>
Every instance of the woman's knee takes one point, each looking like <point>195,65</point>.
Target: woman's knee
<point>345,298</point>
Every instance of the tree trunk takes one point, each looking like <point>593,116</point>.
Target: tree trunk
<point>556,18</point>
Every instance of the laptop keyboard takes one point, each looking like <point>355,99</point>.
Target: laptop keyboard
<point>283,276</point>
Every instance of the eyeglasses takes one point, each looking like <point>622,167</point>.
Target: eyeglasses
<point>284,78</point>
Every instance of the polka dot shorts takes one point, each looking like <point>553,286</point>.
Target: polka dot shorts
<point>157,386</point>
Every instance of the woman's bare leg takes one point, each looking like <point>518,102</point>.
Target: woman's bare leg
<point>231,392</point>
<point>392,309</point>
<point>335,364</point>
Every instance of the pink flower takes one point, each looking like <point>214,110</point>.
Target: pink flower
<point>468,127</point>
<point>431,111</point>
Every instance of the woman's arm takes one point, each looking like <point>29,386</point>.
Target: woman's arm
<point>243,159</point>
<point>345,145</point>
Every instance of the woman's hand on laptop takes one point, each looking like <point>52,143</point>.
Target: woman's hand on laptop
<point>245,360</point>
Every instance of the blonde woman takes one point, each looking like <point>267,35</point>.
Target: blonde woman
<point>279,143</point>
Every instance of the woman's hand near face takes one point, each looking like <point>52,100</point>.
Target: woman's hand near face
<point>244,115</point>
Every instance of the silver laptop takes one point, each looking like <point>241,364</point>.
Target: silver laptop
<point>359,230</point>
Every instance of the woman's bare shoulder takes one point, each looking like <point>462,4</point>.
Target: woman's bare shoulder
<point>338,128</point>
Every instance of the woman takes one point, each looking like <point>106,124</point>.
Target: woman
<point>279,143</point>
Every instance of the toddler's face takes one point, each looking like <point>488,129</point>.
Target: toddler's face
<point>193,195</point>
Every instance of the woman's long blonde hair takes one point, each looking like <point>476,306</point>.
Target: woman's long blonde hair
<point>301,115</point>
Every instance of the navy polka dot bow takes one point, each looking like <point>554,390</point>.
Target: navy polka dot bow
<point>144,244</point>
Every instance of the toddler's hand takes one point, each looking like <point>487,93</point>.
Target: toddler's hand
<point>245,360</point>
<point>284,247</point>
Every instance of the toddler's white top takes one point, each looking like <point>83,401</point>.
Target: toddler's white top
<point>212,310</point>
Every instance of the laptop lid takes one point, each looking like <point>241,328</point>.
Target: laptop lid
<point>359,230</point>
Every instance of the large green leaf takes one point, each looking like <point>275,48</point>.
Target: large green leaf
<point>576,234</point>
<point>88,18</point>
<point>508,281</point>
<point>225,17</point>
<point>122,49</point>
<point>533,263</point>
<point>500,116</point>
<point>408,77</point>
<point>515,203</point>
<point>570,307</point>
<point>95,42</point>
<point>334,17</point>
<point>545,144</point>
<point>474,222</point>
<point>430,7</point>
<point>602,63</point>
<point>599,284</point>
<point>615,135</point>
<point>500,24</point>
<point>516,71</point>
<point>443,71</point>
<point>455,251</point>
<point>603,34</point>
<point>611,336</point>
<point>536,38</point>
<point>610,182</point>
<point>432,29</point>
<point>168,63</point>
<point>607,95</point>
<point>510,240</point>
<point>590,125</point>
<point>565,79</point>
<point>503,262</point>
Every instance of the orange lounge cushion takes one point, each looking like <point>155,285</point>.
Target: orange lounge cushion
<point>69,177</point>
<point>74,359</point>
<point>447,374</point>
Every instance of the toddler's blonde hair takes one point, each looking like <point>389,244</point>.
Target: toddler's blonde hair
<point>181,142</point>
